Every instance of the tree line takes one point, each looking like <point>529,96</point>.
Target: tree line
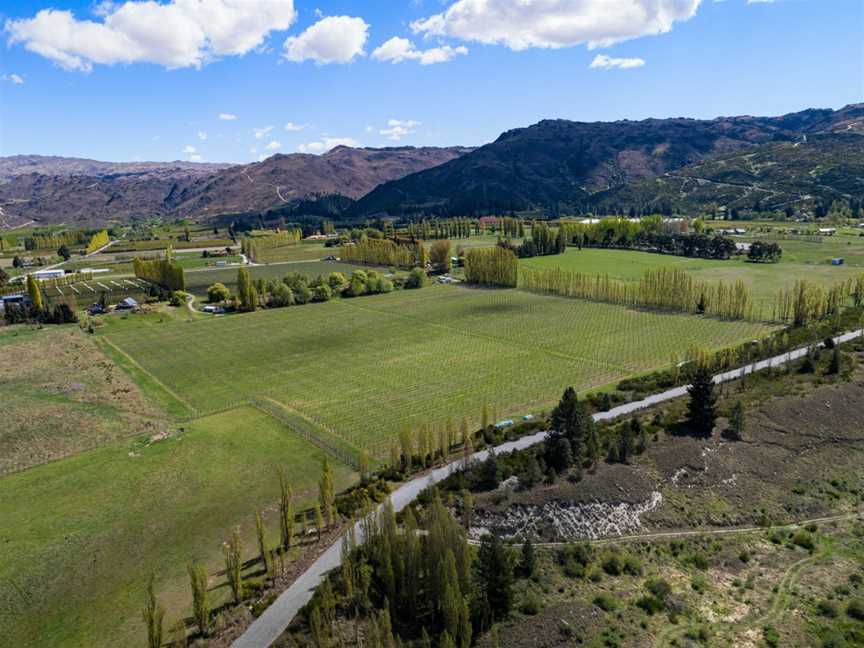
<point>383,252</point>
<point>495,266</point>
<point>659,288</point>
<point>161,272</point>
<point>297,289</point>
<point>98,240</point>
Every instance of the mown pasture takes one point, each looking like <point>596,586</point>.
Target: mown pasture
<point>82,535</point>
<point>365,368</point>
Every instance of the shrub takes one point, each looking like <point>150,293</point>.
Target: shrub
<point>855,609</point>
<point>606,602</point>
<point>531,605</point>
<point>698,583</point>
<point>827,608</point>
<point>659,588</point>
<point>218,293</point>
<point>771,636</point>
<point>612,564</point>
<point>650,604</point>
<point>416,278</point>
<point>804,540</point>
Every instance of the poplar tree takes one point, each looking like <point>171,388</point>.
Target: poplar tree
<point>286,510</point>
<point>233,550</point>
<point>34,292</point>
<point>319,520</point>
<point>262,544</point>
<point>200,597</point>
<point>325,488</point>
<point>246,292</point>
<point>407,448</point>
<point>154,615</point>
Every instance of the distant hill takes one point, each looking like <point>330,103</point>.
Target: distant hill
<point>572,164</point>
<point>68,190</point>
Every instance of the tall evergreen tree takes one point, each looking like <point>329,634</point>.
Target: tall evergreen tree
<point>701,408</point>
<point>326,491</point>
<point>494,576</point>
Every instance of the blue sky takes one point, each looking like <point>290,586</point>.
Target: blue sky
<point>114,82</point>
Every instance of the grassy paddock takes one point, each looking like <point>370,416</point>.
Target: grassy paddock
<point>764,280</point>
<point>81,535</point>
<point>197,282</point>
<point>365,368</point>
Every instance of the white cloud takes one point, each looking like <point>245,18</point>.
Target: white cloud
<point>291,127</point>
<point>397,128</point>
<point>273,146</point>
<point>17,79</point>
<point>202,135</point>
<point>261,133</point>
<point>760,1</point>
<point>327,144</point>
<point>399,49</point>
<point>195,158</point>
<point>189,149</point>
<point>521,24</point>
<point>176,34</point>
<point>335,39</point>
<point>227,117</point>
<point>604,62</point>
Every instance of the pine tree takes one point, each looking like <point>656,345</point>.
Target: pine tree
<point>494,576</point>
<point>701,409</point>
<point>834,365</point>
<point>527,561</point>
<point>154,615</point>
<point>736,421</point>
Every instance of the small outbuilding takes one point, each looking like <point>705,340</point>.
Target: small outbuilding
<point>127,304</point>
<point>838,261</point>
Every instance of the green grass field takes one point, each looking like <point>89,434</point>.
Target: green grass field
<point>764,280</point>
<point>311,251</point>
<point>80,536</point>
<point>366,367</point>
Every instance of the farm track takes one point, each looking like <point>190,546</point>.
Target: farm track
<point>267,628</point>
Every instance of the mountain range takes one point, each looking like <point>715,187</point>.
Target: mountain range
<point>799,159</point>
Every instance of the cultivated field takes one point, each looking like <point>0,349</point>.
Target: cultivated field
<point>80,536</point>
<point>365,368</point>
<point>764,280</point>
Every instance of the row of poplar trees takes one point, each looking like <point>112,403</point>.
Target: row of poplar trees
<point>161,272</point>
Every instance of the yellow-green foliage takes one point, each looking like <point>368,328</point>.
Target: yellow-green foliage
<point>161,272</point>
<point>251,245</point>
<point>98,240</point>
<point>378,252</point>
<point>659,288</point>
<point>493,266</point>
<point>806,302</point>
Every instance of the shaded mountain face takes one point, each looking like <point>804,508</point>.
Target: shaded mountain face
<point>87,192</point>
<point>557,161</point>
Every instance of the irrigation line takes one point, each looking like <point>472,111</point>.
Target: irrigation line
<point>267,628</point>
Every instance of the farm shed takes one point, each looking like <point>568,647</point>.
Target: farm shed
<point>837,261</point>
<point>127,304</point>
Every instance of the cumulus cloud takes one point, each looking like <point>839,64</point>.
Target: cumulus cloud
<point>176,34</point>
<point>397,128</point>
<point>326,144</point>
<point>261,133</point>
<point>189,149</point>
<point>227,117</point>
<point>273,146</point>
<point>17,79</point>
<point>202,136</point>
<point>291,127</point>
<point>399,49</point>
<point>521,24</point>
<point>195,158</point>
<point>335,39</point>
<point>603,62</point>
